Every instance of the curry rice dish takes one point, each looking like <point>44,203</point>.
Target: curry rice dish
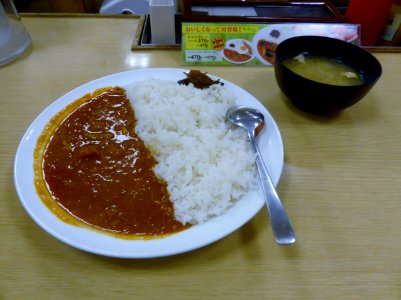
<point>147,167</point>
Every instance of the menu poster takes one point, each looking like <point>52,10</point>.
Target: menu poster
<point>251,43</point>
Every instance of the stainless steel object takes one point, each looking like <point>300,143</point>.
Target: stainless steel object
<point>252,121</point>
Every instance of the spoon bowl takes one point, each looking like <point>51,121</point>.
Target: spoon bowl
<point>253,122</point>
<point>246,117</point>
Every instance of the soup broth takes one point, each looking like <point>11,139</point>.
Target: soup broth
<point>324,70</point>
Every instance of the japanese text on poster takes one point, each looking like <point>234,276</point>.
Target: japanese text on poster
<point>249,44</point>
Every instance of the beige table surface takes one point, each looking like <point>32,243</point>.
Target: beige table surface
<point>340,184</point>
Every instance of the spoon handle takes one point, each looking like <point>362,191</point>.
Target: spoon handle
<point>282,229</point>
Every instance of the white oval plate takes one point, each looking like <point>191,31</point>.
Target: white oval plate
<point>196,236</point>
<point>285,31</point>
<point>236,42</point>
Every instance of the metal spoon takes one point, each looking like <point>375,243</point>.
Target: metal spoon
<point>252,120</point>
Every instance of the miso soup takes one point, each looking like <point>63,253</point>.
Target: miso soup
<point>324,70</point>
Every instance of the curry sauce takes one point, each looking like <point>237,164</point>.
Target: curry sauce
<point>92,169</point>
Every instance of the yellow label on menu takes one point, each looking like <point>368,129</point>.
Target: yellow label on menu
<point>218,43</point>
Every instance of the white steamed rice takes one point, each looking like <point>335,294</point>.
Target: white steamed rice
<point>206,162</point>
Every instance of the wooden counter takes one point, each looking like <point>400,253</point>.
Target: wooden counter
<point>340,184</point>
